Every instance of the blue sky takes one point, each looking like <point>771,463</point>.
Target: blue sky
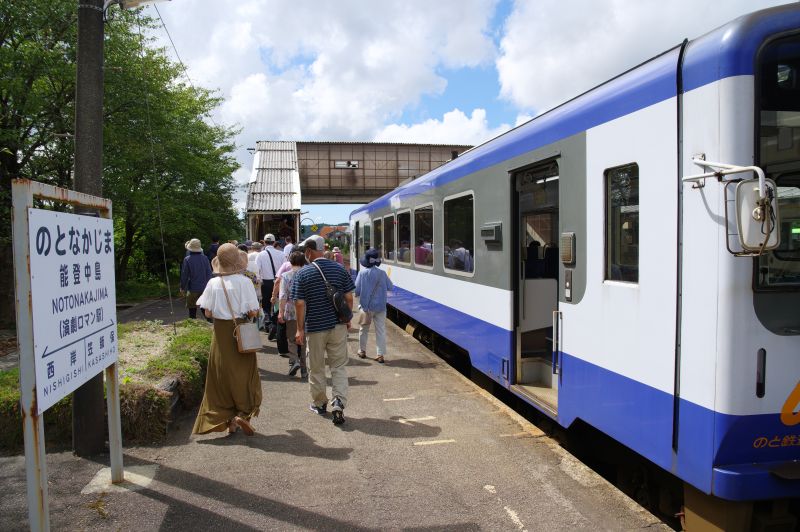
<point>450,71</point>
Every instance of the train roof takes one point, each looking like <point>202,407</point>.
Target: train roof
<point>724,52</point>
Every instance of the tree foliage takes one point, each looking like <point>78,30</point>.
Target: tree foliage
<point>160,145</point>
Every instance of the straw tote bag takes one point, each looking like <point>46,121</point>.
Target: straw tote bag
<point>248,339</point>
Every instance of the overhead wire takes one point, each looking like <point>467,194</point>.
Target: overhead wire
<point>178,56</point>
<point>155,173</point>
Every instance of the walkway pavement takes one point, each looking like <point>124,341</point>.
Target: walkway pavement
<point>423,448</point>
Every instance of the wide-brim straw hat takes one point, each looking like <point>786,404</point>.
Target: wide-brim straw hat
<point>228,260</point>
<point>193,245</point>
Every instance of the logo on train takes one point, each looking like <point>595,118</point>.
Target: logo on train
<point>790,413</point>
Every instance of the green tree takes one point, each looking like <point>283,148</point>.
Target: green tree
<point>158,142</point>
<point>37,91</point>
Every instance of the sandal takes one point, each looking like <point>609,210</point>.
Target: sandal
<point>361,354</point>
<point>379,359</point>
<point>232,427</point>
<point>245,425</point>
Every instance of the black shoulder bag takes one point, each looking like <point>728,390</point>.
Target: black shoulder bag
<point>336,296</point>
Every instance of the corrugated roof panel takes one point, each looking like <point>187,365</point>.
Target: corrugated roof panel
<point>273,201</point>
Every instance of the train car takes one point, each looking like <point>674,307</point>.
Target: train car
<point>631,258</point>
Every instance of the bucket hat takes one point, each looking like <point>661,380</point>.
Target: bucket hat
<point>228,260</point>
<point>193,245</point>
<point>371,258</point>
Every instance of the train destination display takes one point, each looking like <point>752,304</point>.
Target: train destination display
<point>73,301</point>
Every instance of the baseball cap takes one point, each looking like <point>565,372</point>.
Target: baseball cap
<point>269,237</point>
<point>315,242</point>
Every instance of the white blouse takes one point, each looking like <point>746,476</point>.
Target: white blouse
<point>241,293</point>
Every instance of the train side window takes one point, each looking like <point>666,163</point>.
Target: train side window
<point>459,233</point>
<point>423,236</point>
<point>622,223</point>
<point>377,223</point>
<point>404,237</point>
<point>388,238</point>
<point>365,241</point>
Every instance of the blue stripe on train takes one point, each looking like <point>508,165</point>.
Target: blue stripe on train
<point>636,415</point>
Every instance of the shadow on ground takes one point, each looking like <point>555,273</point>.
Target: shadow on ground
<point>294,442</point>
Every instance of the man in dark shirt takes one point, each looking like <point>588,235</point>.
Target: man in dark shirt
<point>195,273</point>
<point>212,249</point>
<point>319,329</point>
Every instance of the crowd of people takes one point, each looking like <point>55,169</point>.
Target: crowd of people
<point>291,292</point>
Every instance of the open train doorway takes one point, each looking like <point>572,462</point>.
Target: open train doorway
<point>536,198</point>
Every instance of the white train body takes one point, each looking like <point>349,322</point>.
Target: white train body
<point>689,354</point>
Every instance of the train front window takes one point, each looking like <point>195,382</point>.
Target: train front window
<point>779,156</point>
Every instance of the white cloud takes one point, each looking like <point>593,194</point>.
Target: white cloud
<point>552,51</point>
<point>326,70</point>
<point>455,127</point>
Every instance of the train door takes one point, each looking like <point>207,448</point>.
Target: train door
<point>536,201</point>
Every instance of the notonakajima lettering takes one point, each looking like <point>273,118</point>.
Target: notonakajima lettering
<point>72,301</point>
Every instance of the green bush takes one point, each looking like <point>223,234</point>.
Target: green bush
<point>57,419</point>
<point>145,409</point>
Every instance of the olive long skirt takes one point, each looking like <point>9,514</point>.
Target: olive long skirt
<point>233,384</point>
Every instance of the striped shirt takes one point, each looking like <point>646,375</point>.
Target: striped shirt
<point>309,286</point>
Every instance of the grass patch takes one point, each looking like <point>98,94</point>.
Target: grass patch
<point>150,353</point>
<point>135,290</point>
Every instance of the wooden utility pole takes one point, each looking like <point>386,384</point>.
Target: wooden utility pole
<point>88,414</point>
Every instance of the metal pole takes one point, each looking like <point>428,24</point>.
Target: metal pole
<point>33,425</point>
<point>88,434</point>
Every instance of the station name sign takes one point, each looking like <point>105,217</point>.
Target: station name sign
<point>73,301</point>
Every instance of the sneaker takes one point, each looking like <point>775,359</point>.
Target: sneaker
<point>303,373</point>
<point>338,411</point>
<point>320,410</point>
<point>293,369</point>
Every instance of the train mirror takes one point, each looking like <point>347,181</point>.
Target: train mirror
<point>756,219</point>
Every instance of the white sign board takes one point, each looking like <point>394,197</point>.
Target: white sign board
<point>73,301</point>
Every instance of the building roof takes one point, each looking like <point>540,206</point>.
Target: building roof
<point>275,181</point>
<point>358,143</point>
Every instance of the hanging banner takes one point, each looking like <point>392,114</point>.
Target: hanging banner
<point>73,301</point>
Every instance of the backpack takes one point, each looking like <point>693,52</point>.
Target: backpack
<point>343,312</point>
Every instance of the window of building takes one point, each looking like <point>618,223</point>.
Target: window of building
<point>377,223</point>
<point>459,233</point>
<point>423,236</point>
<point>404,237</point>
<point>388,238</point>
<point>622,223</point>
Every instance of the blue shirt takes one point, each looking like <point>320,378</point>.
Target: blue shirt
<point>195,272</point>
<point>371,287</point>
<point>309,286</point>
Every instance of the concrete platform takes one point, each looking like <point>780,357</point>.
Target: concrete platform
<point>422,449</point>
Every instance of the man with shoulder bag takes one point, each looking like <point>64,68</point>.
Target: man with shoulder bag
<point>323,295</point>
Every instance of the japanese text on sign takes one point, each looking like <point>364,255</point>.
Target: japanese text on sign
<point>73,301</point>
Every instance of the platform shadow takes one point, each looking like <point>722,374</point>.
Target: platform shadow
<point>183,515</point>
<point>407,363</point>
<point>295,442</point>
<point>389,428</point>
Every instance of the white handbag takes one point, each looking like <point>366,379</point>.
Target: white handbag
<point>248,339</point>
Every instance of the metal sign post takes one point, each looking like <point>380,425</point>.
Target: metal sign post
<point>66,319</point>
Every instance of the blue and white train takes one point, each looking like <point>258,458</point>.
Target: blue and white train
<point>631,258</point>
